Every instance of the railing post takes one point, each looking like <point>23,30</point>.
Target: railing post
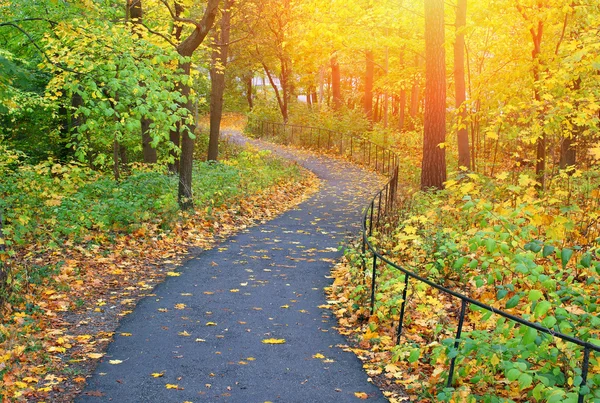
<point>364,145</point>
<point>461,321</point>
<point>371,220</point>
<point>584,371</point>
<point>402,308</point>
<point>374,274</point>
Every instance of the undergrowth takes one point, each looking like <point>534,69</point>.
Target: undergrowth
<point>502,242</point>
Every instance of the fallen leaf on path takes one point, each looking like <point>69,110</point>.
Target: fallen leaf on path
<point>173,274</point>
<point>361,395</point>
<point>273,341</point>
<point>115,362</point>
<point>318,355</point>
<point>157,374</point>
<point>171,386</point>
<point>95,356</point>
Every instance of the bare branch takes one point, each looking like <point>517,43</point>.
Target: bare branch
<point>176,18</point>
<point>159,34</point>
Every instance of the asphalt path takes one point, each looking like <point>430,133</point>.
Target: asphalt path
<point>202,334</point>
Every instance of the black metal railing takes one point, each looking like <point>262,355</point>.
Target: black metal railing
<point>374,214</point>
<point>349,145</point>
<point>378,212</point>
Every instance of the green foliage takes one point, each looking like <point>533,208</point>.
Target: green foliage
<point>503,243</point>
<point>120,79</point>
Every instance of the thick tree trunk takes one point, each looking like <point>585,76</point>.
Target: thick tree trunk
<point>186,159</point>
<point>186,49</point>
<point>217,78</point>
<point>336,84</point>
<point>369,75</point>
<point>433,172</point>
<point>462,134</point>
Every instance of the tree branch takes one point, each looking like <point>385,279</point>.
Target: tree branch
<point>177,18</point>
<point>159,34</point>
<point>33,42</point>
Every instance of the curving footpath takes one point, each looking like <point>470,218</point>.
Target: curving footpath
<point>204,330</point>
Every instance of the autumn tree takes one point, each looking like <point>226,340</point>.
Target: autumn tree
<point>186,48</point>
<point>217,79</point>
<point>433,173</point>
<point>462,134</point>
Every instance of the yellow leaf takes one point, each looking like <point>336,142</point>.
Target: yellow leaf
<point>179,306</point>
<point>273,341</point>
<point>318,355</point>
<point>126,334</point>
<point>495,360</point>
<point>115,362</point>
<point>95,356</point>
<point>284,306</point>
<point>173,274</point>
<point>234,290</point>
<point>157,374</point>
<point>184,333</point>
<point>211,324</point>
<point>361,395</point>
<point>171,386</point>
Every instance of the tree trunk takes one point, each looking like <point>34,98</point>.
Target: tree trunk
<point>336,84</point>
<point>433,171</point>
<point>248,82</point>
<point>135,15</point>
<point>414,96</point>
<point>3,266</point>
<point>369,75</point>
<point>116,152</point>
<point>186,49</point>
<point>278,95</point>
<point>402,109</point>
<point>217,79</point>
<point>568,152</point>
<point>462,134</point>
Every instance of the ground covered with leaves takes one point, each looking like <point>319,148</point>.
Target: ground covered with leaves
<point>82,249</point>
<point>500,241</point>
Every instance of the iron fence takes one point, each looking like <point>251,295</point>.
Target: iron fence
<point>379,211</point>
